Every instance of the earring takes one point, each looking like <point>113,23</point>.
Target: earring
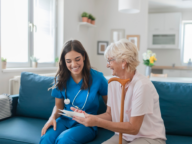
<point>123,67</point>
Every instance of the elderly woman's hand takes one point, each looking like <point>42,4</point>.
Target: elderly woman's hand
<point>88,121</point>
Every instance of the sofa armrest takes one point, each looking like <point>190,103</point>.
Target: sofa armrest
<point>14,103</point>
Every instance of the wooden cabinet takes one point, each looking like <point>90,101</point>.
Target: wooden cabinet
<point>164,21</point>
<point>172,21</point>
<point>156,22</point>
<point>186,73</point>
<point>178,73</point>
<point>172,73</point>
<point>164,30</point>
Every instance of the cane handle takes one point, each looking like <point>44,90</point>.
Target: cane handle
<point>121,81</point>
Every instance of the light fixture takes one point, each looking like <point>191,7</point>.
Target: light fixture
<point>129,6</point>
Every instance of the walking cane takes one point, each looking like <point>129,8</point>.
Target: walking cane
<point>122,82</point>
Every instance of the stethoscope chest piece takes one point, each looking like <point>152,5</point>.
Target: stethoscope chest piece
<point>67,101</point>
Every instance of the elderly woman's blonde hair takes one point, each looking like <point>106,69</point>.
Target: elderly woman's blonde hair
<point>123,50</point>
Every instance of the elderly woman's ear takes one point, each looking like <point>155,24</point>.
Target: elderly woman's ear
<point>124,64</point>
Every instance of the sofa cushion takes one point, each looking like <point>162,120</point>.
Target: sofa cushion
<point>34,98</point>
<point>21,130</point>
<point>176,139</point>
<point>176,107</point>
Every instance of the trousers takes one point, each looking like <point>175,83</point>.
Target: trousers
<point>78,134</point>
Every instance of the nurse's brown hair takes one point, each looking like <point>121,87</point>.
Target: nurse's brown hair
<point>63,73</point>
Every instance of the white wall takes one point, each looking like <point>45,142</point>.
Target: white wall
<point>170,57</point>
<point>187,15</point>
<point>108,17</point>
<point>167,57</point>
<point>72,14</point>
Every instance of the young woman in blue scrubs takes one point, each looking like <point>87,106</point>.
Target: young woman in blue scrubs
<point>76,85</point>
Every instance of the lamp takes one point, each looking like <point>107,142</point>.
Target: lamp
<point>129,6</point>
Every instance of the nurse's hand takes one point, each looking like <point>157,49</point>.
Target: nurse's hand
<point>88,121</point>
<point>50,122</point>
<point>76,110</point>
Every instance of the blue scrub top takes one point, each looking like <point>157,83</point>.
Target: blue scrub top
<point>99,87</point>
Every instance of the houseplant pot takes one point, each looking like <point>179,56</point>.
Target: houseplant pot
<point>34,64</point>
<point>4,63</point>
<point>89,21</point>
<point>84,16</point>
<point>93,20</point>
<point>57,62</point>
<point>89,18</point>
<point>34,61</point>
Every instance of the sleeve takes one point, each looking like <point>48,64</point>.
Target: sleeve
<point>103,87</point>
<point>56,93</point>
<point>142,101</point>
<point>109,96</point>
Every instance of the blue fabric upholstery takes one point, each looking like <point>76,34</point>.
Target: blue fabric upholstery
<point>176,107</point>
<point>177,139</point>
<point>14,103</point>
<point>21,130</point>
<point>34,98</point>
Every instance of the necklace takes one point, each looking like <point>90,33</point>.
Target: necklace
<point>67,101</point>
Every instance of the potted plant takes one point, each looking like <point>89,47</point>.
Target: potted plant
<point>84,16</point>
<point>148,59</point>
<point>4,63</point>
<point>57,61</point>
<point>89,18</point>
<point>34,61</point>
<point>93,20</point>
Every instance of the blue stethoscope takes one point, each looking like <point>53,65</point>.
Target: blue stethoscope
<point>67,101</point>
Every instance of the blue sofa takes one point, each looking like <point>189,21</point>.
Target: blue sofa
<point>34,104</point>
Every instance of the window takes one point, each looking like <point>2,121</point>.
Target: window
<point>28,29</point>
<point>187,43</point>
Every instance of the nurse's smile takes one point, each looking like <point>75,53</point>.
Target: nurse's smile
<point>75,63</point>
<point>75,69</point>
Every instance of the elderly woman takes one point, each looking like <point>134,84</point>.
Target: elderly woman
<point>142,118</point>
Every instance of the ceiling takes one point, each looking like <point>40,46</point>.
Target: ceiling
<point>170,4</point>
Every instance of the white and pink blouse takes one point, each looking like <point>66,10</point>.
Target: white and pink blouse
<point>141,98</point>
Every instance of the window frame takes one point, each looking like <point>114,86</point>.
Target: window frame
<point>31,39</point>
<point>183,38</point>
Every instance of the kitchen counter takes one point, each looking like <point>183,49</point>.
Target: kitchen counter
<point>172,79</point>
<point>173,68</point>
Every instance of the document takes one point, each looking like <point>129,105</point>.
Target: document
<point>71,113</point>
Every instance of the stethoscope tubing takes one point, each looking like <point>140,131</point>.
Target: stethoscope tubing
<point>75,98</point>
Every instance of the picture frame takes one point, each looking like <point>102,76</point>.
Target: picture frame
<point>101,47</point>
<point>134,39</point>
<point>117,34</point>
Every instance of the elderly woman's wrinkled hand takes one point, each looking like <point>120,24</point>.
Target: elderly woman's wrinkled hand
<point>88,121</point>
